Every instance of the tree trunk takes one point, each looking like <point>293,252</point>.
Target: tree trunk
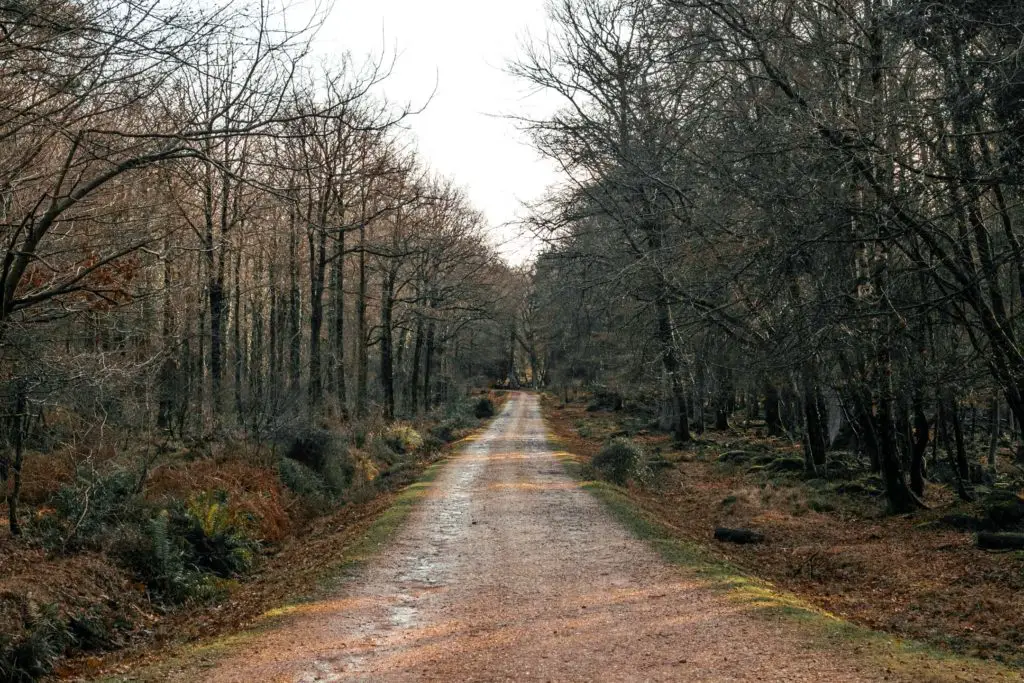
<point>428,368</point>
<point>994,429</point>
<point>317,271</point>
<point>772,416</point>
<point>236,340</point>
<point>962,466</point>
<point>362,352</point>
<point>386,340</point>
<point>673,368</point>
<point>867,432</point>
<point>724,401</point>
<point>337,283</point>
<point>294,316</point>
<point>901,499</point>
<point>919,446</point>
<point>815,438</point>
<point>275,343</point>
<point>414,375</point>
<point>216,302</point>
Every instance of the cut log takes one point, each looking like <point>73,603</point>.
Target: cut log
<point>741,536</point>
<point>1000,541</point>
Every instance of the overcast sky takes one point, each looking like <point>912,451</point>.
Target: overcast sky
<point>462,47</point>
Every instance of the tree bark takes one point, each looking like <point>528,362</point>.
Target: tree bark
<point>414,374</point>
<point>386,340</point>
<point>337,283</point>
<point>815,438</point>
<point>772,416</point>
<point>919,447</point>
<point>673,368</point>
<point>362,352</point>
<point>317,239</point>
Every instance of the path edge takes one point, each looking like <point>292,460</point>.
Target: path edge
<point>190,658</point>
<point>906,659</point>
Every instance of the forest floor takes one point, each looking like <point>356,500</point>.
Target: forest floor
<point>508,569</point>
<point>902,575</point>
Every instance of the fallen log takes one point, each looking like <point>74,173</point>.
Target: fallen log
<point>741,536</point>
<point>1000,541</point>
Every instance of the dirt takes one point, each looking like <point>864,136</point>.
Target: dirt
<point>509,571</point>
<point>902,575</point>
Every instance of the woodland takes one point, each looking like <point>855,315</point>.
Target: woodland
<point>235,299</point>
<point>226,272</point>
<point>808,210</point>
<point>789,234</point>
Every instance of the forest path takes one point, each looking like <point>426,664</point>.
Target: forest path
<point>509,571</point>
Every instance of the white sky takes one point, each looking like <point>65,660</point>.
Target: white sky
<point>462,46</point>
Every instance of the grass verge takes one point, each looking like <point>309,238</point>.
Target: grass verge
<point>899,659</point>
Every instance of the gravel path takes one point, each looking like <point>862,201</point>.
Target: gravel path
<point>508,571</point>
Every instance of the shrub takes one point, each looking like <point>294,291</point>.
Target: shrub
<point>381,452</point>
<point>397,476</point>
<point>157,559</point>
<point>217,537</point>
<point>300,479</point>
<point>621,460</point>
<point>337,473</point>
<point>432,444</point>
<point>321,451</point>
<point>89,631</point>
<point>448,430</point>
<point>311,446</point>
<point>403,439</point>
<point>32,654</point>
<point>605,399</point>
<point>87,512</point>
<point>182,552</point>
<point>483,408</point>
<point>1004,510</point>
<point>443,431</point>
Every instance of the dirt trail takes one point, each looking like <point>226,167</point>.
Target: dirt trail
<point>508,571</point>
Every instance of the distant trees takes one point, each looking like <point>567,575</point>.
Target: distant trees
<point>813,205</point>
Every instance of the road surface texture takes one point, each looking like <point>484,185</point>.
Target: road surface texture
<point>509,571</point>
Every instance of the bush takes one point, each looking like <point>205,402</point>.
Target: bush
<point>217,537</point>
<point>300,479</point>
<point>32,655</point>
<point>90,631</point>
<point>448,430</point>
<point>311,446</point>
<point>432,444</point>
<point>181,553</point>
<point>621,460</point>
<point>483,408</point>
<point>160,561</point>
<point>322,452</point>
<point>87,512</point>
<point>444,432</point>
<point>337,473</point>
<point>381,452</point>
<point>403,439</point>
